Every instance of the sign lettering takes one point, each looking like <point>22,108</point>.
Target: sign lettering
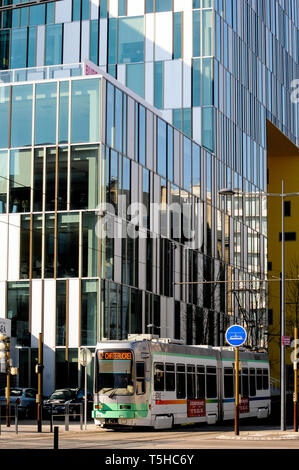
<point>196,408</point>
<point>115,356</point>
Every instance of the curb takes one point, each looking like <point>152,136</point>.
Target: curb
<point>259,437</point>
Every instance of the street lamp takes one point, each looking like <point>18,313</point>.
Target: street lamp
<point>282,195</point>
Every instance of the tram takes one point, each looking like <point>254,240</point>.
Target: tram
<point>159,382</point>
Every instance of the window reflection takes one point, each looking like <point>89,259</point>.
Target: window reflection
<point>89,309</point>
<point>85,110</point>
<point>21,116</point>
<point>45,113</point>
<point>84,177</point>
<point>20,180</point>
<point>67,245</point>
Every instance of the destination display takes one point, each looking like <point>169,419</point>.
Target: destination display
<point>115,356</point>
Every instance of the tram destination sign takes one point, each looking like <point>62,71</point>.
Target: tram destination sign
<point>115,356</point>
<point>236,335</point>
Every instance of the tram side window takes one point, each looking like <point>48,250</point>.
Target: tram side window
<point>158,377</point>
<point>170,377</point>
<point>190,381</point>
<point>252,384</point>
<point>211,382</point>
<point>265,379</point>
<point>228,382</point>
<point>201,382</point>
<point>245,385</point>
<point>140,378</point>
<point>259,379</point>
<point>180,381</point>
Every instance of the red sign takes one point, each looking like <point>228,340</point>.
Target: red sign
<point>196,408</point>
<point>244,405</point>
<point>286,341</point>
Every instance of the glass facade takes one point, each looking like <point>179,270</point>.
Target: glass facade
<point>217,70</point>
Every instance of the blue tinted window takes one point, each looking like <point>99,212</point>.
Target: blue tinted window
<point>207,128</point>
<point>207,89</point>
<point>196,82</point>
<point>187,164</point>
<point>85,9</point>
<point>103,9</point>
<point>135,78</point>
<point>141,134</point>
<point>196,33</point>
<point>112,41</point>
<point>163,5</point>
<point>85,110</point>
<point>18,51</point>
<point>37,15</point>
<point>122,7</point>
<point>110,115</point>
<point>207,32</point>
<point>21,116</point>
<point>118,119</point>
<point>149,6</point>
<point>161,147</point>
<point>31,47</point>
<point>94,41</point>
<point>158,88</point>
<point>196,3</point>
<point>170,152</point>
<point>187,121</point>
<point>45,113</point>
<point>177,35</point>
<point>50,13</point>
<point>76,10</point>
<point>177,119</point>
<point>63,112</point>
<point>196,169</point>
<point>53,44</point>
<point>24,17</point>
<point>4,117</point>
<point>130,40</point>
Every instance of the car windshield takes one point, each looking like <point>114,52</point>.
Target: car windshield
<point>115,373</point>
<point>61,395</point>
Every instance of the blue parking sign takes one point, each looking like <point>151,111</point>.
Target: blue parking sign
<point>236,335</point>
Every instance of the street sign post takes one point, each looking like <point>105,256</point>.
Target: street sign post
<point>236,336</point>
<point>85,357</point>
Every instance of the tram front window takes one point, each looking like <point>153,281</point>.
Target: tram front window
<point>114,375</point>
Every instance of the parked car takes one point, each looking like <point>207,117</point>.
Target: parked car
<point>73,397</point>
<point>25,399</point>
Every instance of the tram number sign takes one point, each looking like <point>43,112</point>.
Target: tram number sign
<point>244,405</point>
<point>196,408</point>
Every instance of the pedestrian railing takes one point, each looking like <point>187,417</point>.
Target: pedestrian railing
<point>76,411</point>
<point>9,415</point>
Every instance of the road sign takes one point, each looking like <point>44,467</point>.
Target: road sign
<point>85,357</point>
<point>286,341</point>
<point>236,335</point>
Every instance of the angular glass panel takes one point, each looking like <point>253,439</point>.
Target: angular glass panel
<point>149,6</point>
<point>187,164</point>
<point>84,177</point>
<point>37,246</point>
<point>207,128</point>
<point>196,33</point>
<point>37,15</point>
<point>18,311</point>
<point>4,49</point>
<point>196,82</point>
<point>24,17</point>
<point>67,245</point>
<point>18,52</point>
<point>161,147</point>
<point>21,116</point>
<point>45,113</point>
<point>20,180</point>
<point>141,135</point>
<point>50,13</point>
<point>76,10</point>
<point>62,179</point>
<point>94,41</point>
<point>118,119</point>
<point>50,178</point>
<point>31,62</point>
<point>110,125</point>
<point>207,19</point>
<point>112,41</point>
<point>85,113</point>
<point>187,127</point>
<point>63,112</point>
<point>4,117</point>
<point>170,153</point>
<point>158,88</point>
<point>60,313</point>
<point>177,35</point>
<point>163,5</point>
<point>85,9</point>
<point>135,78</point>
<point>3,181</point>
<point>90,251</point>
<point>38,180</point>
<point>207,84</point>
<point>103,9</point>
<point>89,313</point>
<point>24,246</point>
<point>130,40</point>
<point>196,173</point>
<point>122,7</point>
<point>53,44</point>
<point>49,245</point>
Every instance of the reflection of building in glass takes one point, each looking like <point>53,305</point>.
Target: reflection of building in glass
<point>217,71</point>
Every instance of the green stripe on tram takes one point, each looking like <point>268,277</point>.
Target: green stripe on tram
<point>158,353</point>
<point>121,410</point>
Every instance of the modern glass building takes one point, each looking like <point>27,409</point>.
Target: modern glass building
<point>206,78</point>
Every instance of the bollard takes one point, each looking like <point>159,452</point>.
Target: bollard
<point>66,417</point>
<point>51,419</point>
<point>56,429</point>
<point>16,418</point>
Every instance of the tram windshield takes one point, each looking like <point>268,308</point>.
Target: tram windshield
<point>114,374</point>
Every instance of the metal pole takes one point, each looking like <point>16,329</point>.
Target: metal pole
<point>85,398</point>
<point>295,380</point>
<point>56,429</point>
<point>8,384</point>
<point>40,382</point>
<point>282,365</point>
<point>237,430</point>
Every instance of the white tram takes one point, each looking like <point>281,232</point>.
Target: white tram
<point>158,382</point>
